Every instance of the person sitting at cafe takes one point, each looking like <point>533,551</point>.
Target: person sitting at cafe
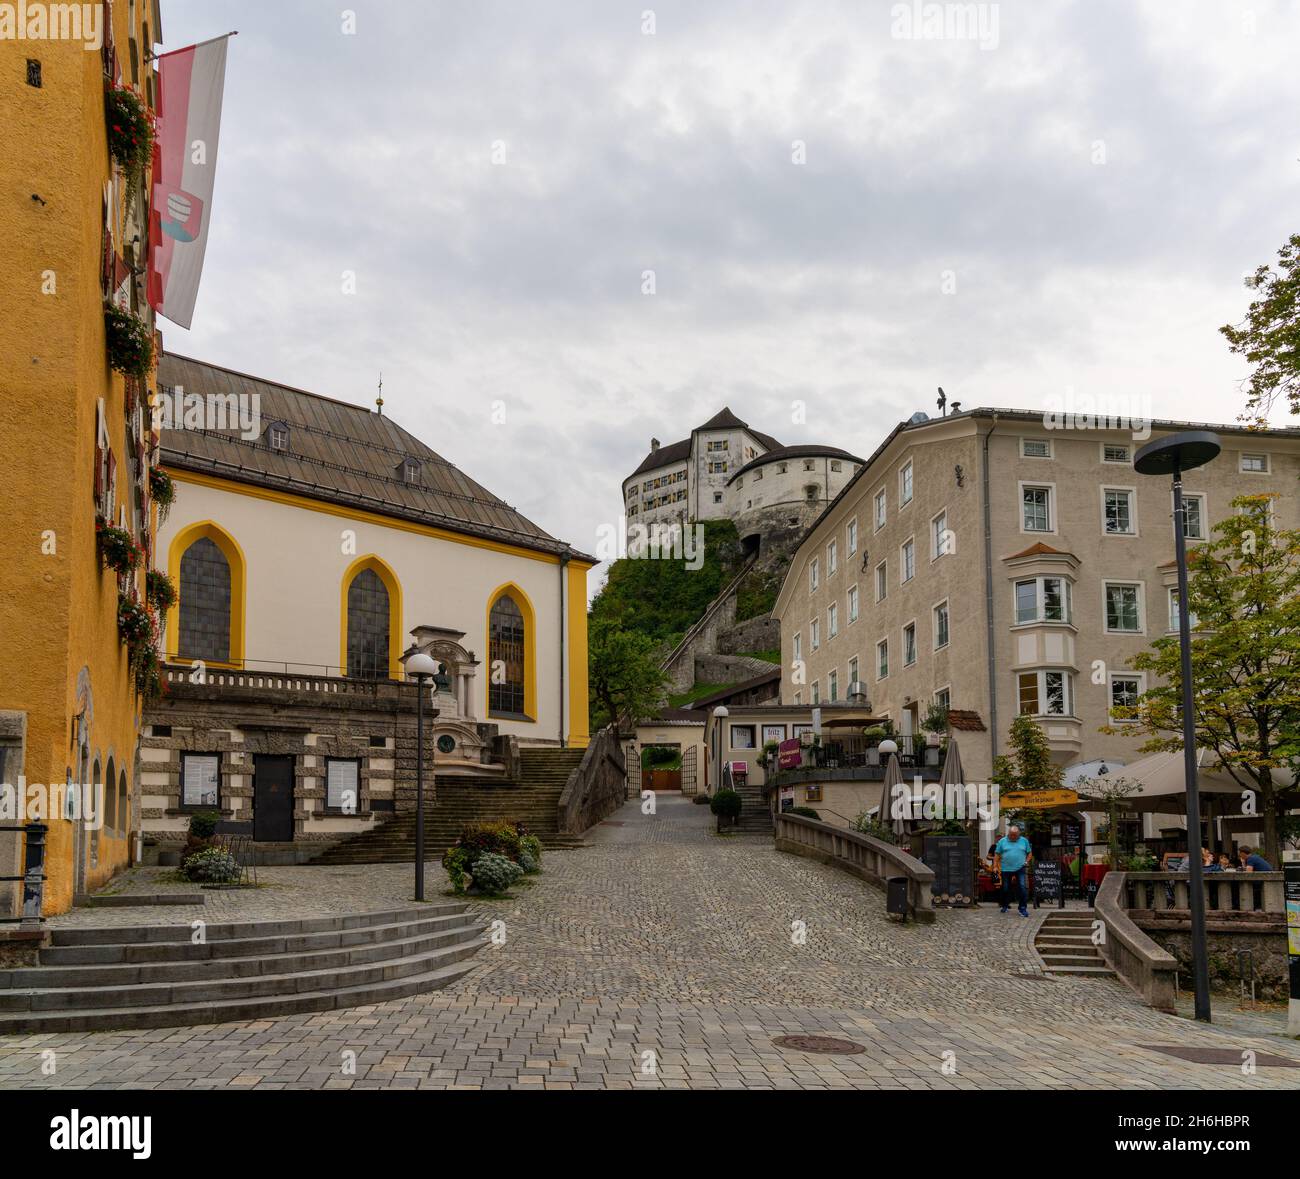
<point>1208,862</point>
<point>1225,863</point>
<point>1252,861</point>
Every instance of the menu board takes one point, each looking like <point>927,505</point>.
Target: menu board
<point>951,858</point>
<point>1047,880</point>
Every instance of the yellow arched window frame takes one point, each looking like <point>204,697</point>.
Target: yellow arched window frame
<point>229,546</point>
<point>385,573</point>
<point>525,605</point>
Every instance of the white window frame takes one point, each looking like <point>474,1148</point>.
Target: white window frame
<point>882,643</point>
<point>833,685</point>
<point>1245,454</point>
<point>832,558</point>
<point>936,544</point>
<point>814,574</point>
<point>882,580</point>
<point>796,646</point>
<point>934,624</point>
<point>1051,450</point>
<point>816,689</point>
<point>1036,485</point>
<point>906,479</point>
<point>1126,461</point>
<point>1040,601</point>
<point>815,634</point>
<point>853,669</point>
<point>916,647</point>
<point>1140,586</point>
<point>851,536</point>
<point>855,604</point>
<point>1204,500</point>
<point>946,689</point>
<point>832,620</point>
<point>1171,612</point>
<point>1141,679</point>
<point>880,508</point>
<point>902,560</point>
<point>1041,674</point>
<point>731,735</point>
<point>1132,494</point>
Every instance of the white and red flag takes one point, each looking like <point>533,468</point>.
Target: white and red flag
<point>190,83</point>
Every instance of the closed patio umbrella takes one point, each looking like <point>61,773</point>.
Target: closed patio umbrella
<point>893,778</point>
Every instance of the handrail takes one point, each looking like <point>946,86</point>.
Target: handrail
<point>1147,967</point>
<point>864,856</point>
<point>596,786</point>
<point>709,611</point>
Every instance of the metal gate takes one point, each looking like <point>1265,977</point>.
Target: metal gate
<point>690,783</point>
<point>632,759</point>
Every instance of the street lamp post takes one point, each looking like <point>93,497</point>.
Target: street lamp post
<point>720,714</point>
<point>421,668</point>
<point>1172,456</point>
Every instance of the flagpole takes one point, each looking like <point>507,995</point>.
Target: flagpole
<point>196,45</point>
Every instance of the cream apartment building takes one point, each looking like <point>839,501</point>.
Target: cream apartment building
<point>987,562</point>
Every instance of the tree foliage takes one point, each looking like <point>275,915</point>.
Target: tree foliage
<point>625,680</point>
<point>1269,336</point>
<point>661,599</point>
<point>1028,766</point>
<point>1244,593</point>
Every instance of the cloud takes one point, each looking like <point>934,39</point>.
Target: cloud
<point>1096,184</point>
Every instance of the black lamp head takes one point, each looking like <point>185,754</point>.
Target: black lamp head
<point>1178,452</point>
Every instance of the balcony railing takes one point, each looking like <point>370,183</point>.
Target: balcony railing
<point>281,679</point>
<point>856,757</point>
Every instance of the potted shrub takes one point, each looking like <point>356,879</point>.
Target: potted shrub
<point>726,805</point>
<point>874,735</point>
<point>770,750</point>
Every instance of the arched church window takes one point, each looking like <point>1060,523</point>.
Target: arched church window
<point>204,603</point>
<point>507,647</point>
<point>368,615</point>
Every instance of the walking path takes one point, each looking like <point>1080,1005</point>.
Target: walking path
<point>665,956</point>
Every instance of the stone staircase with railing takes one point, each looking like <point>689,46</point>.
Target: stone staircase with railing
<point>461,802</point>
<point>153,976</point>
<point>1064,942</point>
<point>755,817</point>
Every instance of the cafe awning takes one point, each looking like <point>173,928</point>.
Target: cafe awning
<point>1162,786</point>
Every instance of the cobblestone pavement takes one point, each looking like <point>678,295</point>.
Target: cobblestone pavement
<point>662,956</point>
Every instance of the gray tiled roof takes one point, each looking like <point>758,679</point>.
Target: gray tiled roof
<point>340,453</point>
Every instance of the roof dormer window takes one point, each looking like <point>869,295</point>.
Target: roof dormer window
<point>409,471</point>
<point>277,436</point>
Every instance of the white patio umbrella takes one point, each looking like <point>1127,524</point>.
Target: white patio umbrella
<point>893,778</point>
<point>1162,786</point>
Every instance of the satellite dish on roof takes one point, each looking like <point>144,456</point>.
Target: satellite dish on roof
<point>917,418</point>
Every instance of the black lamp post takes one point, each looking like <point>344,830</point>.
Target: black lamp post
<point>421,668</point>
<point>1172,456</point>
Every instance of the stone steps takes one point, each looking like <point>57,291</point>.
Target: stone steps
<point>155,976</point>
<point>459,803</point>
<point>1064,942</point>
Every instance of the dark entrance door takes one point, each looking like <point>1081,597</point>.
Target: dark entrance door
<point>272,798</point>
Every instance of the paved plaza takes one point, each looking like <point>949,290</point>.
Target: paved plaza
<point>665,956</point>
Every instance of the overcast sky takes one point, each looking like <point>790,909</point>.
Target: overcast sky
<point>1094,179</point>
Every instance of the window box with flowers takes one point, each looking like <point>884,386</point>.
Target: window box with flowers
<point>139,633</point>
<point>129,342</point>
<point>131,134</point>
<point>162,490</point>
<point>160,592</point>
<point>118,549</point>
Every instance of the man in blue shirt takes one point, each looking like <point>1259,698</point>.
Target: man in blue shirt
<point>1252,861</point>
<point>1013,854</point>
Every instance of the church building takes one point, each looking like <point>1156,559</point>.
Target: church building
<point>312,553</point>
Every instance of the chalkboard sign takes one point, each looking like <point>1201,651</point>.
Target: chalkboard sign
<point>951,858</point>
<point>1047,880</point>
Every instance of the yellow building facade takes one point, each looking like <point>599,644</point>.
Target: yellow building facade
<point>77,441</point>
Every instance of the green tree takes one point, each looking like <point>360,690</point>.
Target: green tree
<point>1028,766</point>
<point>625,679</point>
<point>1244,593</point>
<point>1113,794</point>
<point>1269,336</point>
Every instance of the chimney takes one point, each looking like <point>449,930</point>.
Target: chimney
<point>654,445</point>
